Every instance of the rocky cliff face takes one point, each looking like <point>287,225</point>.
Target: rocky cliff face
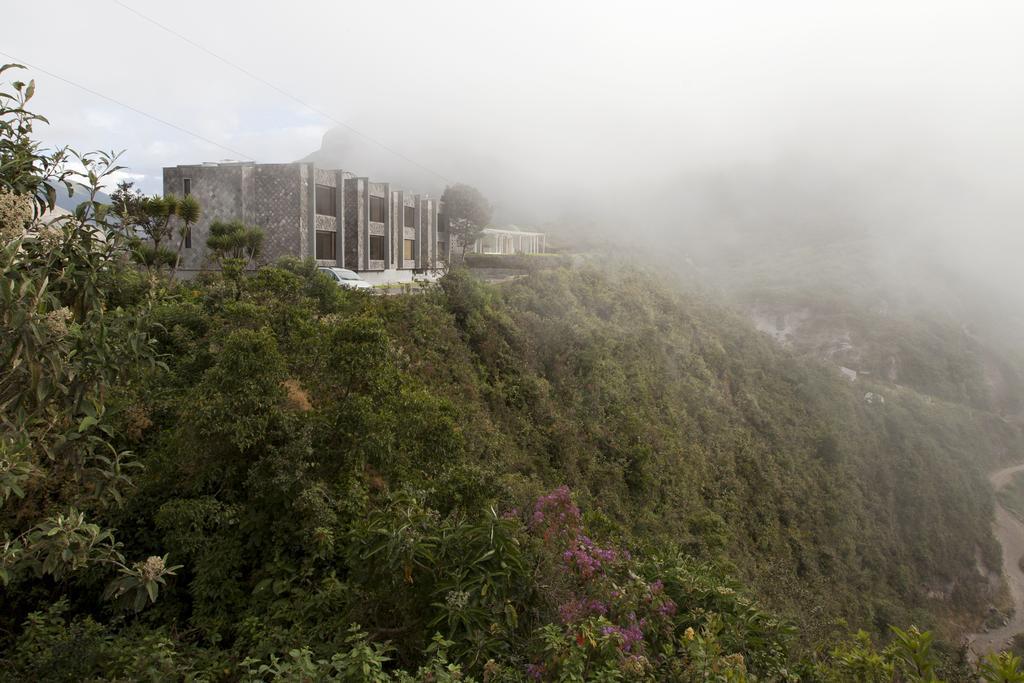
<point>520,195</point>
<point>934,357</point>
<point>341,148</point>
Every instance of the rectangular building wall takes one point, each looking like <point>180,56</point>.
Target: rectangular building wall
<point>283,209</point>
<point>395,230</point>
<point>224,193</point>
<point>427,240</point>
<point>356,228</point>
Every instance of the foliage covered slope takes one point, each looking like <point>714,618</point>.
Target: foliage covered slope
<point>579,475</point>
<point>316,458</point>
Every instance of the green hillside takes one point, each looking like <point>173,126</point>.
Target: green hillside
<point>585,474</point>
<point>298,431</point>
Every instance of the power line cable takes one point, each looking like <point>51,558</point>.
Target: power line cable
<point>279,90</point>
<point>129,107</point>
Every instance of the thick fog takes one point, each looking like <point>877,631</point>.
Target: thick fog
<point>692,126</point>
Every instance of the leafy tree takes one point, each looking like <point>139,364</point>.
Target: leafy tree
<point>468,213</point>
<point>154,219</point>
<point>146,217</point>
<point>1004,667</point>
<point>25,168</point>
<point>126,206</point>
<point>63,346</point>
<point>188,212</point>
<point>234,244</point>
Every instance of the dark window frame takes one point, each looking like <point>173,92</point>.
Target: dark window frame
<point>378,209</point>
<point>331,239</point>
<point>410,216</point>
<point>186,186</point>
<point>188,237</point>
<point>408,252</point>
<point>377,247</point>
<point>326,200</point>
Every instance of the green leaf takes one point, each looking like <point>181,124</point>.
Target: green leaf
<point>87,421</point>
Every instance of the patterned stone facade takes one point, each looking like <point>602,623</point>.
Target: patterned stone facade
<point>282,200</point>
<point>281,208</point>
<point>427,237</point>
<point>356,236</point>
<point>219,191</point>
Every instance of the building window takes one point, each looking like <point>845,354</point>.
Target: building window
<point>188,237</point>
<point>410,250</point>
<point>186,186</point>
<point>377,210</point>
<point>376,247</point>
<point>325,245</point>
<point>410,216</point>
<point>442,222</point>
<point>442,250</point>
<point>325,201</point>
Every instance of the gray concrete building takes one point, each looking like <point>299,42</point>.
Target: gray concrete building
<point>334,216</point>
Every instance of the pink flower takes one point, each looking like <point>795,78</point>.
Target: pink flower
<point>555,514</point>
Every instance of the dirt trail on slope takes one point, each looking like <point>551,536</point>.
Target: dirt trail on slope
<point>1009,531</point>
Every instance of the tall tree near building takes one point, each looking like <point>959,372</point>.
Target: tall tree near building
<point>468,212</point>
<point>188,212</point>
<point>234,244</point>
<point>153,218</point>
<point>139,215</point>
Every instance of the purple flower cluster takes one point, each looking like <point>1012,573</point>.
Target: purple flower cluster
<point>587,558</point>
<point>555,513</point>
<point>630,635</point>
<point>666,607</point>
<point>577,609</point>
<point>604,591</point>
<point>535,671</point>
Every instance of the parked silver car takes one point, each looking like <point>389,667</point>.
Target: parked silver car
<point>345,278</point>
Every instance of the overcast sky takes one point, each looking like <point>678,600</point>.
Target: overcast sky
<point>913,109</point>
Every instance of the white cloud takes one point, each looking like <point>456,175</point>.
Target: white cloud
<point>106,119</point>
<point>111,180</point>
<point>596,105</point>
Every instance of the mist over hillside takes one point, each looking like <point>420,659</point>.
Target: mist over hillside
<point>895,229</point>
<point>758,417</point>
